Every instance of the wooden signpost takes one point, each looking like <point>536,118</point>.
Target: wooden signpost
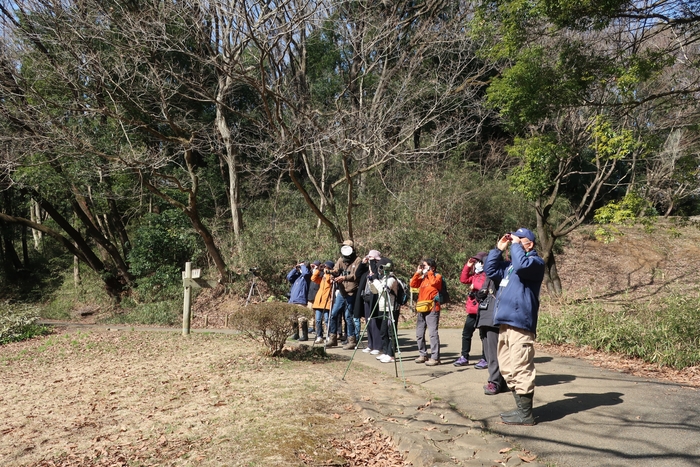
<point>191,278</point>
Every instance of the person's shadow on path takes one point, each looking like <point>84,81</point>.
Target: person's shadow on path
<point>553,380</point>
<point>578,402</point>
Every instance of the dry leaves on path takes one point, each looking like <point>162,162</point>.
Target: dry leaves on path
<point>369,448</point>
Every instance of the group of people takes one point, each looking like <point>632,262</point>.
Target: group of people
<point>503,304</point>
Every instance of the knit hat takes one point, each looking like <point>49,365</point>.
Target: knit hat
<point>330,264</point>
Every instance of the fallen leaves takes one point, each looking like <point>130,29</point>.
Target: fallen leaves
<point>369,448</point>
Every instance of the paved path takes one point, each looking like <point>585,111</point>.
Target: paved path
<point>586,416</point>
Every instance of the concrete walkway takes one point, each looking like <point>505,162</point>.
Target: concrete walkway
<point>586,416</point>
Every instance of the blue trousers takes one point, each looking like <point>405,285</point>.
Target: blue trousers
<point>346,303</point>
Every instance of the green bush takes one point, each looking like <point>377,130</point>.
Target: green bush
<point>667,334</point>
<point>267,323</point>
<point>18,322</point>
<point>162,244</point>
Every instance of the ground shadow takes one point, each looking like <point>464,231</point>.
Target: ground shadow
<point>543,359</point>
<point>577,402</point>
<point>553,380</point>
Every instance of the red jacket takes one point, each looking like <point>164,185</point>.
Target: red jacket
<point>476,281</point>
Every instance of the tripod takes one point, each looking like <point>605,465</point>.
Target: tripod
<point>253,286</point>
<point>384,297</point>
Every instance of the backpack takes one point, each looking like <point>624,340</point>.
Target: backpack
<point>443,297</point>
<point>401,295</point>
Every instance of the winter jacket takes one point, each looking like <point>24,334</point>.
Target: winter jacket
<point>520,280</point>
<point>299,278</point>
<point>428,286</point>
<point>313,287</point>
<point>352,272</point>
<point>386,288</point>
<point>477,282</point>
<point>325,287</point>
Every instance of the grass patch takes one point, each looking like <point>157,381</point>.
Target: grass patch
<point>667,333</point>
<point>163,313</point>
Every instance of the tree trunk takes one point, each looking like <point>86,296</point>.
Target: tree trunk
<point>25,249</point>
<point>35,216</point>
<point>231,159</point>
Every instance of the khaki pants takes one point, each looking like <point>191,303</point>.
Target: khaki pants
<point>516,358</point>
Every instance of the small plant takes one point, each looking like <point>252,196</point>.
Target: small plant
<point>268,323</point>
<point>18,323</point>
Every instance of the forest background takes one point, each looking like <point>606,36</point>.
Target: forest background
<point>136,136</point>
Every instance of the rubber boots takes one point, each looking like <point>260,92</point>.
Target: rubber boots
<point>295,328</point>
<point>517,404</point>
<point>524,415</point>
<point>332,340</point>
<point>304,326</point>
<point>352,342</point>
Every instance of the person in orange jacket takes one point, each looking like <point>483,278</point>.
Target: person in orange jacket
<point>323,299</point>
<point>429,283</point>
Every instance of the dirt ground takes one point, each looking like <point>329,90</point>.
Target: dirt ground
<point>130,398</point>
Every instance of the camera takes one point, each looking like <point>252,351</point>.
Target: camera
<point>385,267</point>
<point>508,237</point>
<point>254,271</point>
<point>334,273</point>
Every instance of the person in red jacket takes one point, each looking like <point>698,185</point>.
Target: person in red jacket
<point>474,276</point>
<point>429,284</point>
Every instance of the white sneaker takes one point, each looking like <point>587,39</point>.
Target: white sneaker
<point>379,357</point>
<point>386,359</point>
<point>319,340</point>
<point>374,352</point>
<point>367,350</point>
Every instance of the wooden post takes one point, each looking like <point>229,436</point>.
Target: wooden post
<point>187,305</point>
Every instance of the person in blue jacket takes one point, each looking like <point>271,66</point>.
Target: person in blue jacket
<point>517,306</point>
<point>299,277</point>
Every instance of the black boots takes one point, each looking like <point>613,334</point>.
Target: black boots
<point>523,414</point>
<point>304,326</point>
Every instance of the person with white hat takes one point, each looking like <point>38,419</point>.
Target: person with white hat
<point>347,272</point>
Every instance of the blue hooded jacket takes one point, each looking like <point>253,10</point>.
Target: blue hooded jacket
<point>299,278</point>
<point>518,296</point>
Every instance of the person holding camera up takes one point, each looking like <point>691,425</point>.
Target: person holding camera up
<point>373,318</point>
<point>429,284</point>
<point>517,307</point>
<point>348,269</point>
<point>385,285</point>
<point>322,299</point>
<point>299,277</point>
<point>473,275</point>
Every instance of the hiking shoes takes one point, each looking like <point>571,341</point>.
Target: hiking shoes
<point>461,361</point>
<point>481,364</point>
<point>422,359</point>
<point>432,362</point>
<point>491,389</point>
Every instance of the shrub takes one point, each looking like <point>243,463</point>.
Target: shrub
<point>667,333</point>
<point>267,323</point>
<point>18,323</point>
